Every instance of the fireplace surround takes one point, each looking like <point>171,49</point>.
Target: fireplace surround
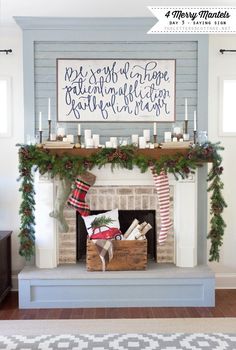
<point>109,192</point>
<point>182,283</point>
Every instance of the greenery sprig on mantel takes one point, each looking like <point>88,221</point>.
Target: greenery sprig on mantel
<point>68,166</point>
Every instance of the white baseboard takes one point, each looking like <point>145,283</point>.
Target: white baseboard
<point>225,280</point>
<point>14,280</point>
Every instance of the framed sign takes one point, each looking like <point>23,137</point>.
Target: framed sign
<point>114,90</point>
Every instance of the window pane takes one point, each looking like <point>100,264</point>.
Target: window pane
<point>229,106</point>
<point>3,107</point>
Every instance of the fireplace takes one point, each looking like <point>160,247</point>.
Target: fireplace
<point>126,217</point>
<point>52,283</point>
<point>125,190</point>
<point>135,199</point>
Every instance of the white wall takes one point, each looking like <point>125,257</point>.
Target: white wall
<point>11,65</point>
<point>92,8</point>
<point>224,65</point>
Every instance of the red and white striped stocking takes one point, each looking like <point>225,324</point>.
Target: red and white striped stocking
<point>163,191</point>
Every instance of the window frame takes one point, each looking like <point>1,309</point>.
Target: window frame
<point>7,133</point>
<point>221,104</point>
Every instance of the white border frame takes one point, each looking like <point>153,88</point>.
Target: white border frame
<point>8,80</point>
<point>221,80</point>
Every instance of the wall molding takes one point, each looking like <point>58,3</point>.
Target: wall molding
<point>225,280</point>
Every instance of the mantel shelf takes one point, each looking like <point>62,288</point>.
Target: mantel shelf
<point>156,153</point>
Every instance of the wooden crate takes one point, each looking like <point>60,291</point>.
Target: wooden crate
<point>127,255</point>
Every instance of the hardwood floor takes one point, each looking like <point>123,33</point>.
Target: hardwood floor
<point>225,307</point>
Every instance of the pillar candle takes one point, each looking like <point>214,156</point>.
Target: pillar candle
<point>134,139</point>
<point>89,142</point>
<point>40,121</point>
<point>186,109</point>
<point>70,138</point>
<point>79,129</point>
<point>142,142</point>
<point>87,134</point>
<point>114,142</point>
<point>96,140</point>
<point>195,121</point>
<point>154,128</point>
<point>49,109</point>
<point>146,134</point>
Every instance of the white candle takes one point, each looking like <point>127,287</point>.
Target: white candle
<point>186,109</point>
<point>89,143</point>
<point>96,140</point>
<point>195,121</point>
<point>142,142</point>
<point>154,128</point>
<point>79,129</point>
<point>167,136</point>
<point>146,134</point>
<point>60,132</point>
<point>70,138</point>
<point>40,121</point>
<point>87,134</point>
<point>114,142</point>
<point>49,109</point>
<point>108,144</point>
<point>134,139</point>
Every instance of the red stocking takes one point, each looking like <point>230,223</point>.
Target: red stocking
<point>77,198</point>
<point>163,192</point>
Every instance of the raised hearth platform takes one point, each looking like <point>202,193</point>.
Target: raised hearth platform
<point>71,286</point>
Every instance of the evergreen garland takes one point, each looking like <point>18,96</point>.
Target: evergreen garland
<point>69,166</point>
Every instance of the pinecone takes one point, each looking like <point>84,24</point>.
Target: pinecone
<point>117,154</point>
<point>88,164</point>
<point>25,172</point>
<point>24,232</point>
<point>186,170</point>
<point>27,188</point>
<point>218,170</point>
<point>217,208</point>
<point>69,165</point>
<point>27,212</point>
<point>49,166</point>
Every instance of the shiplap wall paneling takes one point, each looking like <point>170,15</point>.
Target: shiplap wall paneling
<point>46,54</point>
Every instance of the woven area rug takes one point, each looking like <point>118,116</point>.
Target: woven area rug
<point>196,341</point>
<point>120,334</point>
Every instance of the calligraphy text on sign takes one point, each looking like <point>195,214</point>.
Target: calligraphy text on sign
<point>116,90</point>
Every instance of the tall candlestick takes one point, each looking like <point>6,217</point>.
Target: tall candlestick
<point>40,121</point>
<point>195,121</point>
<point>79,129</point>
<point>186,109</point>
<point>49,129</point>
<point>154,128</point>
<point>40,136</point>
<point>49,109</point>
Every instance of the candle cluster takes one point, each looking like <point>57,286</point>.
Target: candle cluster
<point>141,141</point>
